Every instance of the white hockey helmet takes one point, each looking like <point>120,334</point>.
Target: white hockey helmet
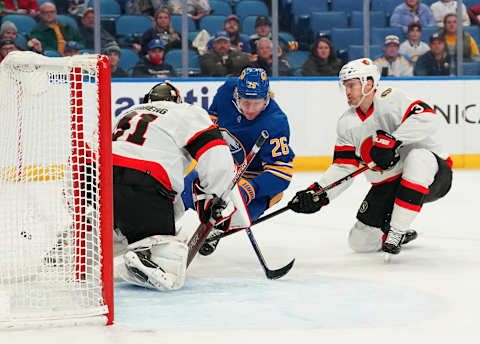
<point>361,69</point>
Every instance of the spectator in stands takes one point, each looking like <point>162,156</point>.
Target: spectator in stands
<point>196,9</point>
<point>391,63</point>
<point>146,7</point>
<point>263,28</point>
<point>6,46</point>
<point>443,7</point>
<point>412,11</point>
<point>474,14</point>
<point>222,60</point>
<point>9,30</point>
<point>322,60</point>
<point>28,7</point>
<point>152,65</point>
<point>413,47</point>
<point>162,29</point>
<point>436,61</point>
<point>264,59</point>
<point>71,49</point>
<point>449,33</point>
<point>86,29</point>
<point>52,33</point>
<point>112,50</point>
<point>232,26</point>
<point>77,8</point>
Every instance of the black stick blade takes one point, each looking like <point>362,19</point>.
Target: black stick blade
<point>279,273</point>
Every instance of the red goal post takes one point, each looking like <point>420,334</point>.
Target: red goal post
<point>55,191</point>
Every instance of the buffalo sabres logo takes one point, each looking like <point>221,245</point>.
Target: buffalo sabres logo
<point>242,76</point>
<point>236,148</point>
<point>263,76</point>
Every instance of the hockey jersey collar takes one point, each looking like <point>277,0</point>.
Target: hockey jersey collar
<point>363,116</point>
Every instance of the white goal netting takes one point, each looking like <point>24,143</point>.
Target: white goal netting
<point>52,247</point>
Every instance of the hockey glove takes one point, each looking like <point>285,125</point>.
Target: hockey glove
<point>211,206</point>
<point>384,151</point>
<point>309,201</point>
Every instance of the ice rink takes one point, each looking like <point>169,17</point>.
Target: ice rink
<point>430,292</point>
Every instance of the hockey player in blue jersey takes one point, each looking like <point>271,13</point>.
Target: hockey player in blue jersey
<point>242,108</point>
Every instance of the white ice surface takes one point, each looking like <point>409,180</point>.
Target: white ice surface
<point>430,292</point>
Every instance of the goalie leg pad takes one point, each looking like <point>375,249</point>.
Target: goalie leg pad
<point>158,262</point>
<point>363,238</point>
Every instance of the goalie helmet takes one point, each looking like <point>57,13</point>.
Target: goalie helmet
<point>163,91</point>
<point>361,69</point>
<point>253,83</point>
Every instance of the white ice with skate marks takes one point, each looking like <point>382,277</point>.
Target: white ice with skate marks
<point>429,291</point>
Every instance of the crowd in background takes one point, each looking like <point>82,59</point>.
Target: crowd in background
<point>228,51</point>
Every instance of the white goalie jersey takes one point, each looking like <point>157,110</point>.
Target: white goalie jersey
<point>409,120</point>
<point>162,138</point>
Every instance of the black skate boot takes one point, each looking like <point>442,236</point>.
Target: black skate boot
<point>410,235</point>
<point>393,242</point>
<point>209,247</point>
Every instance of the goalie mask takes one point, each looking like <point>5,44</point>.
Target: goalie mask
<point>252,84</point>
<point>163,91</point>
<point>363,70</point>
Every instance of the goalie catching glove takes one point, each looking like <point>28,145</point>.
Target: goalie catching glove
<point>384,152</point>
<point>211,206</point>
<point>309,201</point>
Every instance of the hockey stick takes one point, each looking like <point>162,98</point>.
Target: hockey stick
<point>271,274</point>
<point>199,236</point>
<point>285,208</point>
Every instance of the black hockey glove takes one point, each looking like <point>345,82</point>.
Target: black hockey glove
<point>211,206</point>
<point>384,151</point>
<point>308,201</point>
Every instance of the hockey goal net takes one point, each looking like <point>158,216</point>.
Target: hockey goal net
<point>55,191</point>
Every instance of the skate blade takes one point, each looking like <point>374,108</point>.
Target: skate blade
<point>387,257</point>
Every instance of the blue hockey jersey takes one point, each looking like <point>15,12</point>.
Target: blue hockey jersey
<point>271,171</point>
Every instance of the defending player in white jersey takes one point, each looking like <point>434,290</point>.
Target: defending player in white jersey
<point>153,145</point>
<point>399,134</point>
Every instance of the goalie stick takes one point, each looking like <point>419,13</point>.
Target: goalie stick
<point>201,233</point>
<point>285,208</point>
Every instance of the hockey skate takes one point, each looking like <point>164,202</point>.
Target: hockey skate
<point>209,247</point>
<point>410,235</point>
<point>144,272</point>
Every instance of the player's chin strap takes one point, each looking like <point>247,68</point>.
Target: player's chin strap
<point>364,95</point>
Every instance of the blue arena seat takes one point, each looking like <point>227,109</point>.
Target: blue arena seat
<point>23,22</point>
<point>303,7</point>
<point>325,21</point>
<point>343,37</point>
<point>128,59</point>
<point>174,58</point>
<point>347,5</point>
<point>427,31</point>
<point>377,19</point>
<point>386,6</point>
<point>65,18</point>
<point>177,23</point>
<point>220,8</point>
<point>356,51</point>
<point>471,68</point>
<point>128,26</point>
<point>212,23</point>
<point>296,58</point>
<point>248,8</point>
<point>378,34</point>
<point>110,9</point>
<point>470,3</point>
